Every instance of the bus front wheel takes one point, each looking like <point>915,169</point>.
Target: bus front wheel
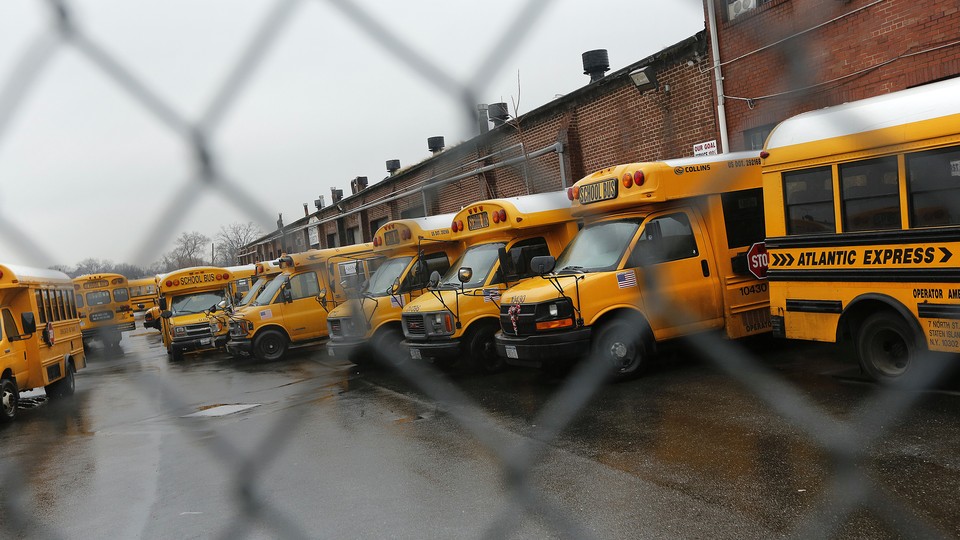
<point>887,346</point>
<point>270,345</point>
<point>482,349</point>
<point>624,348</point>
<point>9,396</point>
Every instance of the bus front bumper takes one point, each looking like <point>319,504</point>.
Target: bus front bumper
<point>439,348</point>
<point>344,348</point>
<point>240,346</point>
<point>198,344</point>
<point>539,350</point>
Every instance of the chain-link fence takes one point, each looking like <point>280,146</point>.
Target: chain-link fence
<point>848,442</point>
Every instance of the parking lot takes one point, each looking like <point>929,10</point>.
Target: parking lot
<point>312,447</point>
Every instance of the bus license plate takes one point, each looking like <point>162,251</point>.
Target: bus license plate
<point>329,352</point>
<point>415,354</point>
<point>598,191</point>
<point>511,351</point>
<point>205,341</point>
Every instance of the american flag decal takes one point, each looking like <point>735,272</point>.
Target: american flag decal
<point>626,279</point>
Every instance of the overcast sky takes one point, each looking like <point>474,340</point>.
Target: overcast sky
<point>87,171</point>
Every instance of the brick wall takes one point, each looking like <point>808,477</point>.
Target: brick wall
<point>888,46</point>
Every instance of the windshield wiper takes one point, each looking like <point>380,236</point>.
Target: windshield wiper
<point>572,268</point>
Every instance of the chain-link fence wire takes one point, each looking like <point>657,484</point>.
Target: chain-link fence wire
<point>848,442</point>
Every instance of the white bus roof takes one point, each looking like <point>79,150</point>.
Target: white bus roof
<point>896,108</point>
<point>539,202</point>
<point>713,158</point>
<point>28,274</point>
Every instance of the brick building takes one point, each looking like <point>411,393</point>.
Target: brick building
<point>610,120</point>
<point>777,58</point>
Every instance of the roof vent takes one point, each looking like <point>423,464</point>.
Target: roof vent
<point>483,121</point>
<point>498,113</point>
<point>318,202</point>
<point>435,144</point>
<point>393,165</point>
<point>595,64</point>
<point>336,195</point>
<point>358,184</point>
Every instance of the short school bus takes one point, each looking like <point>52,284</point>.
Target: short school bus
<point>243,278</point>
<point>863,226</point>
<point>662,254</point>
<point>414,248</point>
<point>40,340</point>
<point>103,302</point>
<point>186,299</point>
<point>292,307</point>
<point>143,293</point>
<point>263,273</point>
<point>461,314</point>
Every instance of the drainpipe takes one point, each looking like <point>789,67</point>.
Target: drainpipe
<point>717,75</point>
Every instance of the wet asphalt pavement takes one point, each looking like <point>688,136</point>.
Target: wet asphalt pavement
<point>325,450</point>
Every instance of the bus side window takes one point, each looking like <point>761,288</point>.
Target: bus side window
<point>304,286</point>
<point>664,239</point>
<point>808,197</point>
<point>871,195</point>
<point>522,252</point>
<point>420,273</point>
<point>931,182</point>
<point>40,310</point>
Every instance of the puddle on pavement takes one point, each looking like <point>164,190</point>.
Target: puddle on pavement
<point>221,410</point>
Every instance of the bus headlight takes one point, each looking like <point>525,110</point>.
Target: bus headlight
<point>439,324</point>
<point>555,315</point>
<point>179,331</point>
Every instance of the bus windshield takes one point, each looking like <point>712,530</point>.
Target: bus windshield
<point>269,291</point>
<point>197,302</point>
<point>597,247</point>
<point>254,291</point>
<point>386,275</point>
<point>480,259</point>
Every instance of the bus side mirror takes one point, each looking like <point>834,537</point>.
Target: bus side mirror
<point>542,265</point>
<point>28,322</point>
<point>285,294</point>
<point>392,289</point>
<point>163,302</point>
<point>140,305</point>
<point>322,298</point>
<point>221,305</point>
<point>166,314</point>
<point>465,274</point>
<point>434,280</point>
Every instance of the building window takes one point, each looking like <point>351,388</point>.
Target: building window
<point>737,8</point>
<point>352,234</point>
<point>754,138</point>
<point>332,240</point>
<point>375,224</point>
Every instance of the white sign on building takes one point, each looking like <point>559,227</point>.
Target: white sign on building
<point>708,148</point>
<point>313,231</point>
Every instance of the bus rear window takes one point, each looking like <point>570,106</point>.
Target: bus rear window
<point>98,298</point>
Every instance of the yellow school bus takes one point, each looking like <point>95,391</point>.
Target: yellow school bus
<point>103,303</point>
<point>187,299</point>
<point>243,278</point>
<point>292,307</point>
<point>863,226</point>
<point>413,249</point>
<point>662,254</point>
<point>263,273</point>
<point>40,338</point>
<point>143,293</point>
<point>460,316</point>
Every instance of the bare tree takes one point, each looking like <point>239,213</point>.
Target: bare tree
<point>189,249</point>
<point>231,238</point>
<point>92,266</point>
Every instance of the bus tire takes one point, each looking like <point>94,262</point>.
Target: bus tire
<point>887,346</point>
<point>270,345</point>
<point>64,387</point>
<point>483,351</point>
<point>9,396</point>
<point>385,347</point>
<point>176,355</point>
<point>625,348</point>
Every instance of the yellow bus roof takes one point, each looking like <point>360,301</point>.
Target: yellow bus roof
<point>401,233</point>
<point>142,281</point>
<point>219,277</point>
<point>12,275</point>
<point>101,275</point>
<point>662,181</point>
<point>321,256</point>
<point>241,271</point>
<point>931,110</point>
<point>526,211</point>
